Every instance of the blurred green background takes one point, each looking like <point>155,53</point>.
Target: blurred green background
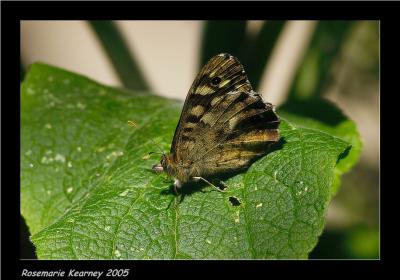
<point>285,61</point>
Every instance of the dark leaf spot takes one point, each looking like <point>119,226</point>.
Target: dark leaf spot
<point>234,201</point>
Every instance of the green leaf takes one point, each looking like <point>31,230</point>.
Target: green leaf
<point>88,192</point>
<point>121,57</point>
<point>322,115</point>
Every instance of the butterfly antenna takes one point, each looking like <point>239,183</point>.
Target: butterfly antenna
<point>134,125</point>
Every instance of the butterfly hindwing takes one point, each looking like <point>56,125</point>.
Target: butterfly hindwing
<point>243,133</point>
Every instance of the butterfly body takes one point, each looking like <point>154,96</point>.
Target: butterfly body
<point>181,172</point>
<point>224,125</point>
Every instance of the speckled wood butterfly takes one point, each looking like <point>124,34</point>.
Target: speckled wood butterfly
<point>224,125</point>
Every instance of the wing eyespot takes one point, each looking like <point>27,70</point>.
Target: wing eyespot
<point>216,81</point>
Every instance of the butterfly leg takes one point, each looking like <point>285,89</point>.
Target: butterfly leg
<point>177,185</point>
<point>225,186</point>
<point>208,182</point>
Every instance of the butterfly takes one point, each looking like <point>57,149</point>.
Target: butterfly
<point>224,125</point>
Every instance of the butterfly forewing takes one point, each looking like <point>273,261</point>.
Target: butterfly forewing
<point>204,96</point>
<point>224,124</point>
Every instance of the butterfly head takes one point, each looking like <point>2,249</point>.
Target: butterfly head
<point>165,164</point>
<point>179,171</point>
<point>160,167</point>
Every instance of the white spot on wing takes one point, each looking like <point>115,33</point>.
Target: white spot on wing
<point>224,83</point>
<point>216,100</point>
<point>198,110</point>
<point>233,121</point>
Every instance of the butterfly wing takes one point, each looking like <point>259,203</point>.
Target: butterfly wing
<point>199,101</point>
<point>224,124</point>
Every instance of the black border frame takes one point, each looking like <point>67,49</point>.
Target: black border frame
<point>13,12</point>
